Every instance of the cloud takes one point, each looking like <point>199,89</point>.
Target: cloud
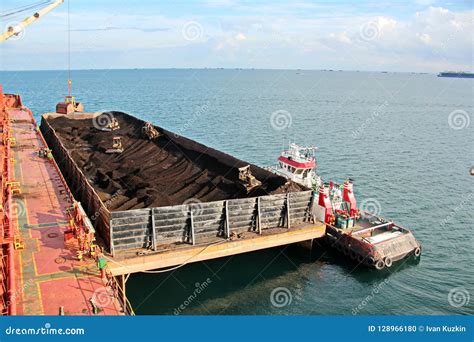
<point>277,35</point>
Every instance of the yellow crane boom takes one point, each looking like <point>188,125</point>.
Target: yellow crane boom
<point>12,31</point>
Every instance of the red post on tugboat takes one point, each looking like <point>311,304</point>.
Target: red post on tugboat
<point>349,198</point>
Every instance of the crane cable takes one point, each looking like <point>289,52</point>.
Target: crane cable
<point>23,9</point>
<point>69,82</point>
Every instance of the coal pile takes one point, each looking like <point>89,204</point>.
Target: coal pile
<point>168,170</point>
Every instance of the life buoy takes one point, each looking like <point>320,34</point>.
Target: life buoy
<point>417,251</point>
<point>388,261</point>
<point>379,264</point>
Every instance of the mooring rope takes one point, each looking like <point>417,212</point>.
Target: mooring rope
<point>187,261</point>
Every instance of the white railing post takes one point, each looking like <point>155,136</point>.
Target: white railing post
<point>153,232</point>
<point>259,222</point>
<point>193,238</point>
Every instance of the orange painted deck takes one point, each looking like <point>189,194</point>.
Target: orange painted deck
<point>47,273</point>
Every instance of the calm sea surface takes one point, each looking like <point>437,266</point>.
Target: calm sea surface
<point>406,139</point>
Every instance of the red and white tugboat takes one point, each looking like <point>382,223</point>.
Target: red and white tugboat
<point>366,238</point>
<point>362,236</point>
<point>299,165</point>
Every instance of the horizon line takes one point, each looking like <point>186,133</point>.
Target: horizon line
<point>232,68</point>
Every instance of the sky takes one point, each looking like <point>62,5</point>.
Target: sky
<point>405,36</point>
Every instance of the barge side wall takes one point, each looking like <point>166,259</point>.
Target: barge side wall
<point>206,222</point>
<point>78,183</point>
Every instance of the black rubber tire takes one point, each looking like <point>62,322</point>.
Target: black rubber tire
<point>417,251</point>
<point>353,255</point>
<point>379,264</point>
<point>346,251</point>
<point>371,260</point>
<point>388,262</point>
<point>360,258</point>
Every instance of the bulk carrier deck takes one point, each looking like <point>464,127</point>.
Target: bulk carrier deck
<point>41,274</point>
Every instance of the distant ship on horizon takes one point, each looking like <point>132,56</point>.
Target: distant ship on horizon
<point>460,74</point>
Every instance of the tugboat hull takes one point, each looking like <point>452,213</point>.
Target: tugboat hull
<point>378,246</point>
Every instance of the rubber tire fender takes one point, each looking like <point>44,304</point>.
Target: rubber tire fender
<point>379,264</point>
<point>417,251</point>
<point>388,262</point>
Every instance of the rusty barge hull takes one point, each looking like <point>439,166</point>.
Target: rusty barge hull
<point>169,216</point>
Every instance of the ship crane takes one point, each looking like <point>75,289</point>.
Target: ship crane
<point>17,29</point>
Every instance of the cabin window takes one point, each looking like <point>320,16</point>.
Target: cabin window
<point>299,171</point>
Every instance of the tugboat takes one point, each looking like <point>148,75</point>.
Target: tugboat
<point>298,164</point>
<point>364,237</point>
